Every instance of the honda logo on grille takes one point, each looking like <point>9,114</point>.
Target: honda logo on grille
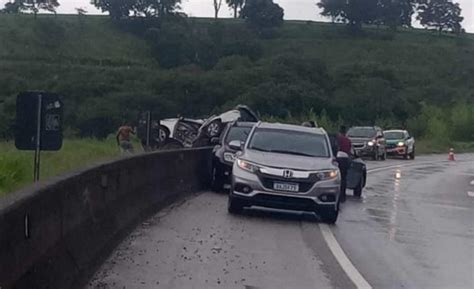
<point>287,174</point>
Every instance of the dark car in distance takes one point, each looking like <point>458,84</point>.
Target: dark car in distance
<point>224,155</point>
<point>368,141</point>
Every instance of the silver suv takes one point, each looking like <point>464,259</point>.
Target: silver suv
<point>286,167</point>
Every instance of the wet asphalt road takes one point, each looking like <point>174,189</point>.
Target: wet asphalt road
<point>413,228</point>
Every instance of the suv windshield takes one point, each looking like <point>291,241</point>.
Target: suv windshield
<point>394,135</point>
<point>289,142</point>
<point>365,132</point>
<point>237,133</point>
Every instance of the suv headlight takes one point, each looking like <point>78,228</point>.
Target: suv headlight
<point>401,144</point>
<point>327,175</point>
<point>370,143</point>
<point>247,166</point>
<point>229,157</point>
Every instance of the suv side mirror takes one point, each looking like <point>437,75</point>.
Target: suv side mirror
<point>236,145</point>
<point>214,141</point>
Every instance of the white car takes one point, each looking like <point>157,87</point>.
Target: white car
<point>185,132</point>
<point>400,143</point>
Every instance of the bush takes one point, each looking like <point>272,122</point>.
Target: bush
<point>462,120</point>
<point>171,44</point>
<point>249,48</point>
<point>13,171</point>
<point>233,62</point>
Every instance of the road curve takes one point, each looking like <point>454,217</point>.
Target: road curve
<point>413,228</point>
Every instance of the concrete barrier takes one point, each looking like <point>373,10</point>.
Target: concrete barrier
<point>52,234</point>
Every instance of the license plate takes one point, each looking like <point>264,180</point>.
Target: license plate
<point>286,187</point>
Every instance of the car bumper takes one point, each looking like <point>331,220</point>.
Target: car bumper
<point>366,151</point>
<point>397,151</point>
<point>323,194</point>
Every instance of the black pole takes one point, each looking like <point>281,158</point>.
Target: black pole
<point>38,140</point>
<point>148,128</point>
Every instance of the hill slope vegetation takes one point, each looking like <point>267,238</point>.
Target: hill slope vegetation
<point>108,72</point>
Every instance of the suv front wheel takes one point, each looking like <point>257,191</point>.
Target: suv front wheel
<point>329,215</point>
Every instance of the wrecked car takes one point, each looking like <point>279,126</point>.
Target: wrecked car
<point>174,133</point>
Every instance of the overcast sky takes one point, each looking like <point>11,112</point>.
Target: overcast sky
<point>294,9</point>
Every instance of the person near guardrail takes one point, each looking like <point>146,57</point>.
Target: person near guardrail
<point>344,146</point>
<point>124,138</point>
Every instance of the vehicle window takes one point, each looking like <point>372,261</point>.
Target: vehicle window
<point>237,133</point>
<point>394,135</point>
<point>289,142</point>
<point>361,132</point>
<point>246,116</point>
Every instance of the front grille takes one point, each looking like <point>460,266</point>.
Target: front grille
<point>359,145</point>
<point>304,186</point>
<point>391,146</point>
<point>283,202</point>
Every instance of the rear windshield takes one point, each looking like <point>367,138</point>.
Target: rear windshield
<point>237,133</point>
<point>289,142</point>
<point>361,132</point>
<point>394,135</point>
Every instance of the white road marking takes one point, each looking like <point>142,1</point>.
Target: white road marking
<point>472,183</point>
<point>342,259</point>
<point>470,194</point>
<point>464,174</point>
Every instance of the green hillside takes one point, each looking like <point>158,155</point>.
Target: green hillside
<point>107,72</point>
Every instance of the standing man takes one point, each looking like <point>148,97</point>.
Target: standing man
<point>123,138</point>
<point>343,158</point>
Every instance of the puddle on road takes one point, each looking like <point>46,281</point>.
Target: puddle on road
<point>378,213</point>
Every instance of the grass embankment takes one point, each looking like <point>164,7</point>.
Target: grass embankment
<point>433,147</point>
<point>104,72</point>
<point>16,167</point>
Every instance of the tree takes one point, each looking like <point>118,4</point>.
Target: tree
<point>161,7</point>
<point>353,12</point>
<point>332,8</point>
<point>117,8</point>
<point>235,5</point>
<point>440,14</point>
<point>217,7</point>
<point>34,6</point>
<point>13,7</point>
<point>150,8</point>
<point>262,13</point>
<point>394,13</point>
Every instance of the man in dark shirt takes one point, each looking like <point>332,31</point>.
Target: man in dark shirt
<point>344,145</point>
